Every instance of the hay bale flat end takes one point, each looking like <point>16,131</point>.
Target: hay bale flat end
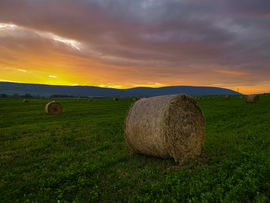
<point>53,108</point>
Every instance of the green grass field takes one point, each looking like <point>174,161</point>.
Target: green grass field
<point>81,155</point>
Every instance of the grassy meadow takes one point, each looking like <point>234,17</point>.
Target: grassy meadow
<point>81,155</point>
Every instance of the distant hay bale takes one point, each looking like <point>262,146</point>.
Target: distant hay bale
<point>53,108</point>
<point>25,101</point>
<point>89,100</point>
<point>227,97</point>
<point>199,98</point>
<point>209,97</point>
<point>253,98</point>
<point>54,100</point>
<point>96,99</point>
<point>134,99</point>
<point>166,126</point>
<point>115,99</point>
<point>203,98</point>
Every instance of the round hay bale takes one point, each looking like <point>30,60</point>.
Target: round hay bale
<point>115,99</point>
<point>203,98</point>
<point>78,100</point>
<point>25,101</point>
<point>199,98</point>
<point>170,126</point>
<point>209,97</point>
<point>253,98</point>
<point>227,97</point>
<point>89,100</point>
<point>96,99</point>
<point>74,100</point>
<point>53,108</point>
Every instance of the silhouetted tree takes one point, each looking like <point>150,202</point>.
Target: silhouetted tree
<point>27,96</point>
<point>4,96</point>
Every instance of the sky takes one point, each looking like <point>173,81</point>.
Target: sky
<point>124,44</point>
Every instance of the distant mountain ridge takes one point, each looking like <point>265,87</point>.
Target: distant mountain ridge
<point>11,88</point>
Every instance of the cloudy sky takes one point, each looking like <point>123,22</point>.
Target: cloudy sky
<point>126,43</point>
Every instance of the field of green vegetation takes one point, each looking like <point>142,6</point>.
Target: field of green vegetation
<point>81,155</point>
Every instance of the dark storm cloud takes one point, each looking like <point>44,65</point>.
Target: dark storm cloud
<point>258,8</point>
<point>165,36</point>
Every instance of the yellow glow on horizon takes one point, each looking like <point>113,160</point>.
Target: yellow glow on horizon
<point>258,89</point>
<point>151,84</point>
<point>127,86</point>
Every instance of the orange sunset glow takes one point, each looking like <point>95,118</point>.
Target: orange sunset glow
<point>126,44</point>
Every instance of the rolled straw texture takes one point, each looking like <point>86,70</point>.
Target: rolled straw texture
<point>53,108</point>
<point>252,98</point>
<point>165,126</point>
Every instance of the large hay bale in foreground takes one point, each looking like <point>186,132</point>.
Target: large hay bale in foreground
<point>53,108</point>
<point>25,101</point>
<point>227,97</point>
<point>166,126</point>
<point>253,98</point>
